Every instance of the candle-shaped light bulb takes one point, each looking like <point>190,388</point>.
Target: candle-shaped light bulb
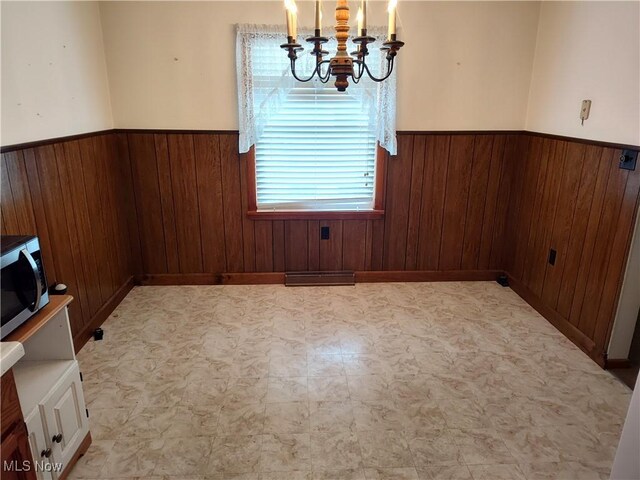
<point>360,18</point>
<point>318,16</point>
<point>392,17</point>
<point>364,14</point>
<point>290,5</point>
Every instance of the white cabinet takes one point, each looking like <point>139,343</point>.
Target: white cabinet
<point>50,391</point>
<point>65,417</point>
<point>37,442</point>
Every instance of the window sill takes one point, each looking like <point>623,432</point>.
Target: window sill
<point>317,215</point>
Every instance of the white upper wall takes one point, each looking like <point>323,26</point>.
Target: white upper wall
<point>587,50</point>
<point>54,78</point>
<point>466,65</point>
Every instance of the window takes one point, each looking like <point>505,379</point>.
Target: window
<point>315,149</point>
<point>317,152</point>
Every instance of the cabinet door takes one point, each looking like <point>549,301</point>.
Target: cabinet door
<point>15,459</point>
<point>38,442</point>
<point>65,416</point>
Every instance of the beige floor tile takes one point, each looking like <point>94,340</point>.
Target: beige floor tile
<point>483,446</point>
<point>335,451</point>
<point>407,473</point>
<point>437,448</point>
<point>419,418</point>
<point>462,371</point>
<point>169,422</point>
<point>384,449</point>
<point>496,472</point>
<point>132,457</point>
<point>108,423</point>
<point>246,390</point>
<point>466,413</point>
<point>287,389</point>
<point>241,419</point>
<point>327,416</point>
<point>90,465</point>
<point>184,456</point>
<point>369,387</point>
<point>338,474</point>
<point>287,417</point>
<point>288,366</point>
<point>458,472</point>
<point>377,415</point>
<point>531,444</point>
<point>283,452</point>
<point>328,388</point>
<point>325,365</point>
<point>250,365</point>
<point>201,389</point>
<point>565,471</point>
<point>577,443</point>
<point>235,454</point>
<point>290,475</point>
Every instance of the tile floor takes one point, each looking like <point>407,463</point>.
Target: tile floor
<point>376,381</point>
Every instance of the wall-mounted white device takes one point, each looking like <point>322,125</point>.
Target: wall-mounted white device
<point>584,111</point>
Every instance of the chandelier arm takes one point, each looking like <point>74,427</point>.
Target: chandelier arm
<point>360,64</point>
<point>316,70</point>
<point>293,72</point>
<point>387,75</point>
<point>324,78</point>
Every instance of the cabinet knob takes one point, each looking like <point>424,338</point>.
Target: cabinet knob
<point>57,438</point>
<point>46,453</point>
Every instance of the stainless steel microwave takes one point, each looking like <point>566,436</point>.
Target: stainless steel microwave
<point>23,282</point>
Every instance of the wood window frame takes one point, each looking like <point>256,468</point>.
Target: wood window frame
<point>377,212</point>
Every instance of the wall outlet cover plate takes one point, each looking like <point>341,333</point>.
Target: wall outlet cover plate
<point>628,159</point>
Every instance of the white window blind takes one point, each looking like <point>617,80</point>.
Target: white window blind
<point>317,152</point>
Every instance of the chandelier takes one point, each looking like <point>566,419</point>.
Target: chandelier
<point>343,65</point>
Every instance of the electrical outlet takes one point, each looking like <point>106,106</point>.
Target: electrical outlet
<point>324,233</point>
<point>584,110</point>
<point>628,159</point>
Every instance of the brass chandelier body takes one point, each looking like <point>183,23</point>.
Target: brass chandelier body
<point>342,65</point>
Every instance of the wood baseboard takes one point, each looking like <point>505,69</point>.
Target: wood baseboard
<point>210,278</point>
<point>617,363</point>
<point>427,276</point>
<point>279,277</point>
<point>101,315</point>
<point>82,449</point>
<point>576,336</point>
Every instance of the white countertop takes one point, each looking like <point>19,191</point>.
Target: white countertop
<point>10,353</point>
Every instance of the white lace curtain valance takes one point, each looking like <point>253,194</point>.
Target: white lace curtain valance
<point>265,80</point>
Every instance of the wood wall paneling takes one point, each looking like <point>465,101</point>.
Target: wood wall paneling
<point>562,223</point>
<point>583,206</point>
<point>170,204</point>
<point>330,257</point>
<point>415,202</point>
<point>210,202</point>
<point>185,199</point>
<point>167,204</point>
<point>407,238</point>
<point>593,177</point>
<point>148,207</point>
<point>455,204</point>
<point>396,221</point>
<point>476,201</point>
<point>354,244</point>
<point>74,195</point>
<point>493,219</point>
<point>232,200</point>
<point>436,164</point>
